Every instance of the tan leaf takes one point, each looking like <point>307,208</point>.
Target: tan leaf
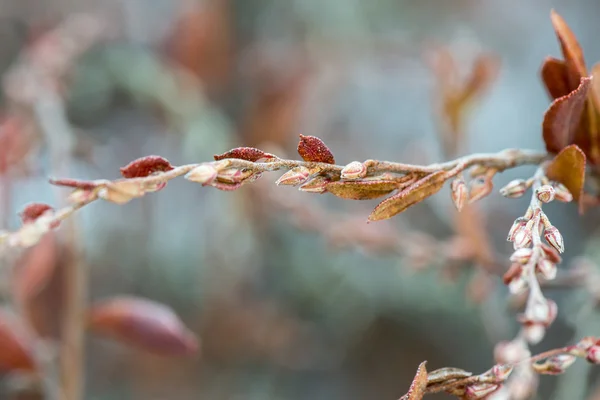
<point>562,119</point>
<point>16,344</point>
<point>311,148</point>
<point>412,195</point>
<point>555,75</point>
<point>361,189</point>
<point>144,324</point>
<point>419,383</point>
<point>568,168</point>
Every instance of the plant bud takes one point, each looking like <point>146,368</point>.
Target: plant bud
<point>479,189</point>
<point>294,177</point>
<point>459,193</point>
<point>593,354</point>
<point>516,226</point>
<point>515,188</point>
<point>354,170</point>
<point>522,238</point>
<point>510,352</point>
<point>561,193</point>
<point>521,256</point>
<point>547,269</point>
<point>554,238</point>
<point>234,175</point>
<point>501,371</point>
<point>480,390</point>
<point>318,184</point>
<point>517,285</point>
<point>204,174</point>
<point>555,365</point>
<point>534,333</point>
<point>545,193</point>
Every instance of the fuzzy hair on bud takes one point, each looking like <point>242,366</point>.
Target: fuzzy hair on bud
<point>554,238</point>
<point>204,174</point>
<point>515,188</point>
<point>354,170</point>
<point>545,193</point>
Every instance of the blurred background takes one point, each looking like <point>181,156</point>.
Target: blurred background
<point>292,295</point>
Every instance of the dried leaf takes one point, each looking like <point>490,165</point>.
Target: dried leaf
<point>312,149</point>
<point>568,168</point>
<point>446,374</point>
<point>36,268</point>
<point>562,119</point>
<point>419,383</point>
<point>362,189</point>
<point>410,196</point>
<point>16,344</point>
<point>146,166</point>
<point>571,49</point>
<point>555,75</point>
<point>143,323</point>
<point>245,153</point>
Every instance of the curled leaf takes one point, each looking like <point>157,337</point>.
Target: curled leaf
<point>244,153</point>
<point>446,374</point>
<point>562,119</point>
<point>413,194</point>
<point>33,211</point>
<point>361,189</point>
<point>555,75</point>
<point>144,324</point>
<point>146,166</point>
<point>568,168</point>
<point>312,149</point>
<point>16,344</point>
<point>418,384</point>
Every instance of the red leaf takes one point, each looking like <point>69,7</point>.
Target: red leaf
<point>143,323</point>
<point>313,149</point>
<point>562,119</point>
<point>16,344</point>
<point>410,196</point>
<point>556,77</point>
<point>244,153</point>
<point>74,183</point>
<point>571,49</point>
<point>418,384</point>
<point>568,168</point>
<point>33,211</point>
<point>36,269</point>
<point>146,166</point>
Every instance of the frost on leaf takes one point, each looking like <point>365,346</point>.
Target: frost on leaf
<point>568,168</point>
<point>563,117</point>
<point>361,190</point>
<point>146,166</point>
<point>312,149</point>
<point>142,323</point>
<point>410,196</point>
<point>244,153</point>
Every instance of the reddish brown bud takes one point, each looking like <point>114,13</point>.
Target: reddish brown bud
<point>294,177</point>
<point>545,193</point>
<point>459,193</point>
<point>554,238</point>
<point>146,166</point>
<point>313,149</point>
<point>515,188</point>
<point>354,170</point>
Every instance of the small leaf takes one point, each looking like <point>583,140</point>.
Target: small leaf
<point>446,374</point>
<point>412,195</point>
<point>568,168</point>
<point>419,383</point>
<point>146,166</point>
<point>571,49</point>
<point>312,149</point>
<point>33,211</point>
<point>16,344</point>
<point>361,189</point>
<point>143,323</point>
<point>555,75</point>
<point>562,119</point>
<point>244,153</point>
<point>75,183</point>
